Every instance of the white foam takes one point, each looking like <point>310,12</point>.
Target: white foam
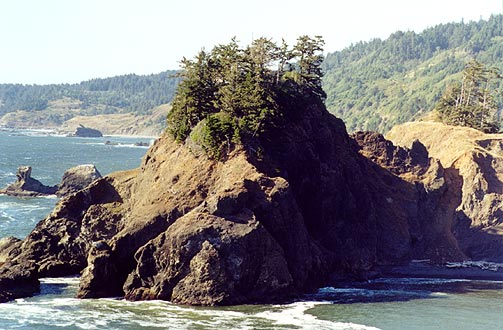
<point>295,315</point>
<point>129,145</point>
<point>69,280</point>
<point>419,280</point>
<point>67,312</point>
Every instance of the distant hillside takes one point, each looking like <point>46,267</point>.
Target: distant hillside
<point>377,84</point>
<point>53,105</point>
<point>370,85</point>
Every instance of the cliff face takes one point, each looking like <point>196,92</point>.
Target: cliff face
<point>192,230</point>
<point>475,160</point>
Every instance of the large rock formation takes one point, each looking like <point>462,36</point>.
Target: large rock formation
<point>475,160</point>
<point>26,186</point>
<point>77,178</point>
<point>185,228</point>
<point>74,179</point>
<point>83,131</point>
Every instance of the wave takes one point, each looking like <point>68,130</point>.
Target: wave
<point>295,315</point>
<point>417,281</point>
<point>47,312</point>
<point>130,145</point>
<point>352,295</point>
<point>68,280</point>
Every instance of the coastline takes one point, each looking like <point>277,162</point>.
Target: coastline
<point>427,270</point>
<point>51,131</point>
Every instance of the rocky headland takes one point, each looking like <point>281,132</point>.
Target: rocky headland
<point>316,206</point>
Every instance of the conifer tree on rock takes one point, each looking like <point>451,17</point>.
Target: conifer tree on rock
<point>472,102</point>
<point>232,94</point>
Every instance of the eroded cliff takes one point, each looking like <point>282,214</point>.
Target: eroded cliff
<point>475,161</point>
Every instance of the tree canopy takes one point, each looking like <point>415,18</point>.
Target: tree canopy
<point>377,84</point>
<point>472,102</point>
<point>121,94</point>
<point>232,94</point>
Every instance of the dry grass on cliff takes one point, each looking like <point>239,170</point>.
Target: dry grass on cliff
<point>447,143</point>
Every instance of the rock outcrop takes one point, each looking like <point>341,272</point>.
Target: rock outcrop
<point>8,248</point>
<point>74,179</point>
<point>316,205</point>
<point>475,160</point>
<point>83,131</point>
<point>26,186</point>
<point>77,178</point>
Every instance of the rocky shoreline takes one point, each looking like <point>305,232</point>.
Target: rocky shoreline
<point>427,270</point>
<point>247,229</point>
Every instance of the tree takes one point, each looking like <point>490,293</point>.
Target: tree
<point>232,94</point>
<point>308,51</point>
<point>472,102</point>
<point>195,96</point>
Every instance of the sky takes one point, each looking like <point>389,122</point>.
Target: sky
<point>68,41</point>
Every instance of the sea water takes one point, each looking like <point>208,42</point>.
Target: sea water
<point>393,304</point>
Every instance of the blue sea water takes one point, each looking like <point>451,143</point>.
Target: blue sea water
<point>388,304</point>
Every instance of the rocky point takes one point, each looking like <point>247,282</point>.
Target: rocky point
<point>317,205</point>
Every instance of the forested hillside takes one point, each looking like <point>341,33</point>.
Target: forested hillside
<point>377,84</point>
<point>121,94</point>
<point>371,85</point>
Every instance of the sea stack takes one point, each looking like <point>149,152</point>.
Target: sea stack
<point>83,131</point>
<point>261,199</point>
<point>26,186</point>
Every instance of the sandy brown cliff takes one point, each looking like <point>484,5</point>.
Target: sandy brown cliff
<point>315,206</point>
<point>475,160</point>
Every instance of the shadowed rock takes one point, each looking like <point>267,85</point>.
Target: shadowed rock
<point>83,131</point>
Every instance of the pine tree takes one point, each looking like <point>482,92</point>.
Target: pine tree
<point>232,95</point>
<point>472,102</point>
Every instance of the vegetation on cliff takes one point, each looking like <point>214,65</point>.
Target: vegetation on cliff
<point>232,94</point>
<point>472,102</point>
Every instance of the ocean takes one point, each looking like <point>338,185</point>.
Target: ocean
<point>386,303</point>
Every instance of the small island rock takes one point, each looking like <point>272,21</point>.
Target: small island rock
<point>83,131</point>
<point>26,186</point>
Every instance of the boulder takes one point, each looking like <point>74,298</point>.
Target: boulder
<point>26,186</point>
<point>77,178</point>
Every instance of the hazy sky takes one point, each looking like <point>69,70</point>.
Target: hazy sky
<point>67,41</point>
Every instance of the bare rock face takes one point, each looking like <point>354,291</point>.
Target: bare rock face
<point>9,246</point>
<point>223,234</point>
<point>475,161</point>
<point>26,186</point>
<point>77,178</point>
<point>421,193</point>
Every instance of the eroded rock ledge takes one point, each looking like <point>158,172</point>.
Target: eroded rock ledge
<point>191,230</point>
